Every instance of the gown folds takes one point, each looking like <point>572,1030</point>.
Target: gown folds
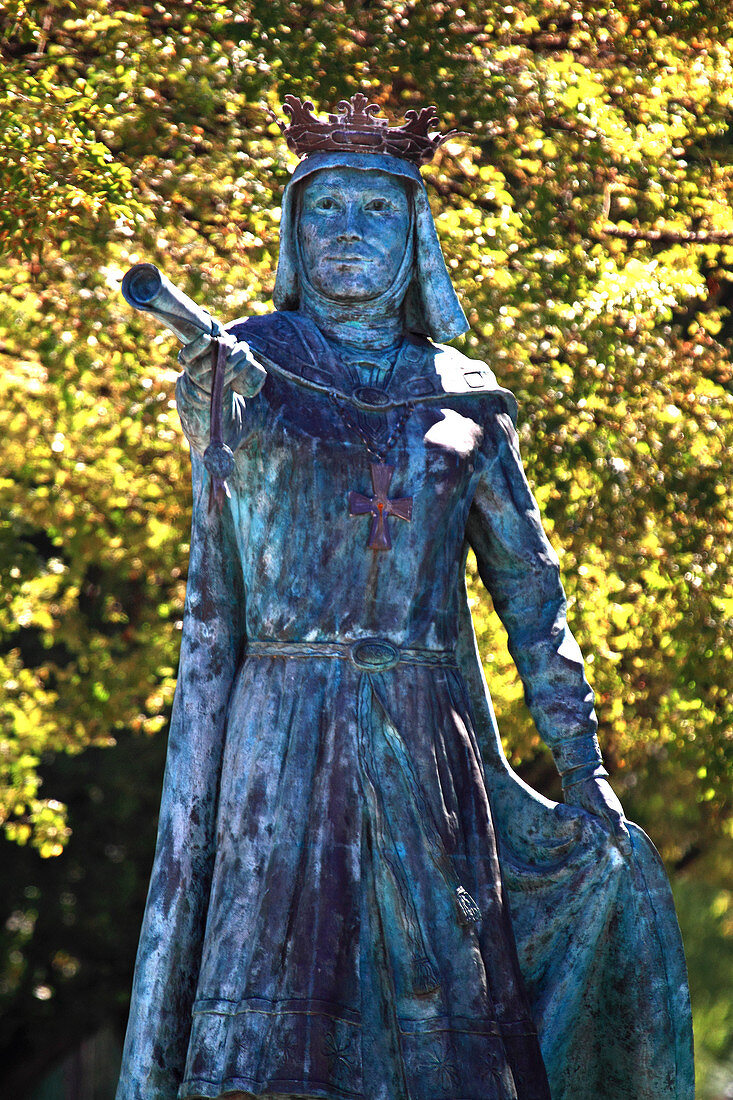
<point>353,896</point>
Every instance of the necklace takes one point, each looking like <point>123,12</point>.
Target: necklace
<point>378,441</point>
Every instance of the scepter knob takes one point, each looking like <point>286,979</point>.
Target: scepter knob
<point>141,285</point>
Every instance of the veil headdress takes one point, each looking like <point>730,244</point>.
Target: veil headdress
<point>355,139</point>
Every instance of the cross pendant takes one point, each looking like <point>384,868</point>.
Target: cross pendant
<point>380,506</point>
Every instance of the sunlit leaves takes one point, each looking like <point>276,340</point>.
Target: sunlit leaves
<point>144,134</point>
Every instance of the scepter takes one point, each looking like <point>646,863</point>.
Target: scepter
<point>146,288</point>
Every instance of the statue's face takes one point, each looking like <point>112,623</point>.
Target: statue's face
<point>353,231</point>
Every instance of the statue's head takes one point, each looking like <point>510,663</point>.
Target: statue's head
<point>356,232</point>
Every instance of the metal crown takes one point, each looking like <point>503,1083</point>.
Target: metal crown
<point>355,129</point>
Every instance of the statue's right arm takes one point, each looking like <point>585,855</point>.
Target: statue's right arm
<point>244,377</point>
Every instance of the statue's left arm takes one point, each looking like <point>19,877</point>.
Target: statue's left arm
<point>521,572</point>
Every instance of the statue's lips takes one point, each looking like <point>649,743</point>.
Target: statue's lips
<point>349,259</point>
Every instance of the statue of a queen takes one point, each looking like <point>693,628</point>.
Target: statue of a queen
<point>347,901</point>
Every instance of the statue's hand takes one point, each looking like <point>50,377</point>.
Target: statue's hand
<point>241,371</point>
<point>597,797</point>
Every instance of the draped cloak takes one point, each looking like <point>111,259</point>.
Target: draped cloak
<point>321,820</point>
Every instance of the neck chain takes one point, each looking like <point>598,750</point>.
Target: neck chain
<point>377,448</point>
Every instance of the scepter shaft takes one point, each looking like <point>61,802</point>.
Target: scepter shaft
<point>145,287</point>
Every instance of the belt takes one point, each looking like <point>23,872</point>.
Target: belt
<point>366,654</point>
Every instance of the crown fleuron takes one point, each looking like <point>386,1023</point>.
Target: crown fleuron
<point>354,128</point>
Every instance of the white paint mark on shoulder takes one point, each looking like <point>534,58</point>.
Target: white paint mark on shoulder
<point>461,375</point>
<point>455,433</point>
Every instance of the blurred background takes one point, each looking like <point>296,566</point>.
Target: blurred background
<point>585,215</point>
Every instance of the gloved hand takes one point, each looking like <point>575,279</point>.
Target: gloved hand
<point>242,371</point>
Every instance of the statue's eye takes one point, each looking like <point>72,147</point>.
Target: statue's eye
<point>379,205</point>
<point>326,204</point>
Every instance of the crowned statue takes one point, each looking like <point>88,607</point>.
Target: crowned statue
<point>353,896</point>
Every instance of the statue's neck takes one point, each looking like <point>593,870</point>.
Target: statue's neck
<point>338,324</point>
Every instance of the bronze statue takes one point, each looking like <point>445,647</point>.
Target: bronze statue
<point>347,900</point>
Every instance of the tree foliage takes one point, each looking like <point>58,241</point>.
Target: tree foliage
<point>585,216</point>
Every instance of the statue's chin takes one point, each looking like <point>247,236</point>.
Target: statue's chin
<point>344,290</point>
<point>343,297</point>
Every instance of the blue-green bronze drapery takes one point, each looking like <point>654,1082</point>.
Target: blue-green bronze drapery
<point>328,830</point>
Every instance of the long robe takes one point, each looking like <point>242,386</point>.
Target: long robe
<point>346,900</point>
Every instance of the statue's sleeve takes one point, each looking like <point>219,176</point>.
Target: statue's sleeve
<point>520,570</point>
<point>194,410</point>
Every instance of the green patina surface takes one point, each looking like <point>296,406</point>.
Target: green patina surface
<point>347,901</point>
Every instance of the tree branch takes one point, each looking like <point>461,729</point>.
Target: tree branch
<point>668,236</point>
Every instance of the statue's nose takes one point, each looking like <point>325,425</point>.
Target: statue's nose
<point>349,229</point>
